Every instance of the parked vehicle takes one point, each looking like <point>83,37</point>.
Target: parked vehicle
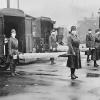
<point>25,25</point>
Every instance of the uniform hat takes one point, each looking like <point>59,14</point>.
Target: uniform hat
<point>13,30</point>
<point>73,28</point>
<point>97,30</point>
<point>89,29</point>
<point>53,30</point>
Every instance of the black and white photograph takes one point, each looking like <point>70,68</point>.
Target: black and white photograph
<point>49,49</point>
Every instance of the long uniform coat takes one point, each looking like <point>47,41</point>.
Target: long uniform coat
<point>13,46</point>
<point>74,59</point>
<point>89,40</point>
<point>96,52</point>
<point>13,50</point>
<point>89,43</point>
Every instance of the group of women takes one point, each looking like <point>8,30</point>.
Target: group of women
<point>92,43</point>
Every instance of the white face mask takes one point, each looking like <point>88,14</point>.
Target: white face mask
<point>74,32</point>
<point>89,31</point>
<point>13,35</point>
<point>98,33</point>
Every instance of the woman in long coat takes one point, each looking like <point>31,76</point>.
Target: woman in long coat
<point>74,59</point>
<point>96,51</point>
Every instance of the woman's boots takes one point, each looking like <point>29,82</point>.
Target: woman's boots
<point>13,67</point>
<point>95,64</point>
<point>88,58</point>
<point>73,76</point>
<point>52,61</point>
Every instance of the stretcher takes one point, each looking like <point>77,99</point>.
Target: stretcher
<point>29,57</point>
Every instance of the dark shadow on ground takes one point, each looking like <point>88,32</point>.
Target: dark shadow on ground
<point>92,75</point>
<point>34,62</point>
<point>16,85</point>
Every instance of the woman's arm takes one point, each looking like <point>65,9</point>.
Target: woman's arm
<point>69,41</point>
<point>9,47</point>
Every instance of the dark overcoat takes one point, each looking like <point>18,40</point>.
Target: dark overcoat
<point>74,59</point>
<point>96,51</point>
<point>89,40</point>
<point>13,46</point>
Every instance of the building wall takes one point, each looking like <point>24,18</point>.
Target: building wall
<point>84,25</point>
<point>65,34</point>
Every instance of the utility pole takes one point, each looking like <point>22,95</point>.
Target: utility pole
<point>18,4</point>
<point>99,16</point>
<point>8,3</point>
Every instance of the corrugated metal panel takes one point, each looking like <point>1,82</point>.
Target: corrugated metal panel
<point>28,34</point>
<point>41,29</point>
<point>29,44</point>
<point>1,37</point>
<point>36,28</point>
<point>12,12</point>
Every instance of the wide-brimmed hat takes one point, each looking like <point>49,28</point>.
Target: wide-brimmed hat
<point>73,28</point>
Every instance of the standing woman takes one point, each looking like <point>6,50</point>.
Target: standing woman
<point>89,43</point>
<point>96,51</point>
<point>13,51</point>
<point>74,59</point>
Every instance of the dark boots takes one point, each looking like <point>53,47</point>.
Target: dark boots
<point>88,58</point>
<point>52,61</point>
<point>95,64</point>
<point>73,76</point>
<point>12,67</point>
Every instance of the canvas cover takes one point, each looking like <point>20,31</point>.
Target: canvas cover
<point>11,12</point>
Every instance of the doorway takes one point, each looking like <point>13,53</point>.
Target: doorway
<point>17,23</point>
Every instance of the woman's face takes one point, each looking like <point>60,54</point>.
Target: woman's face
<point>13,34</point>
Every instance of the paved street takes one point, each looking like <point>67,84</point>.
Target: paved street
<point>42,81</point>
